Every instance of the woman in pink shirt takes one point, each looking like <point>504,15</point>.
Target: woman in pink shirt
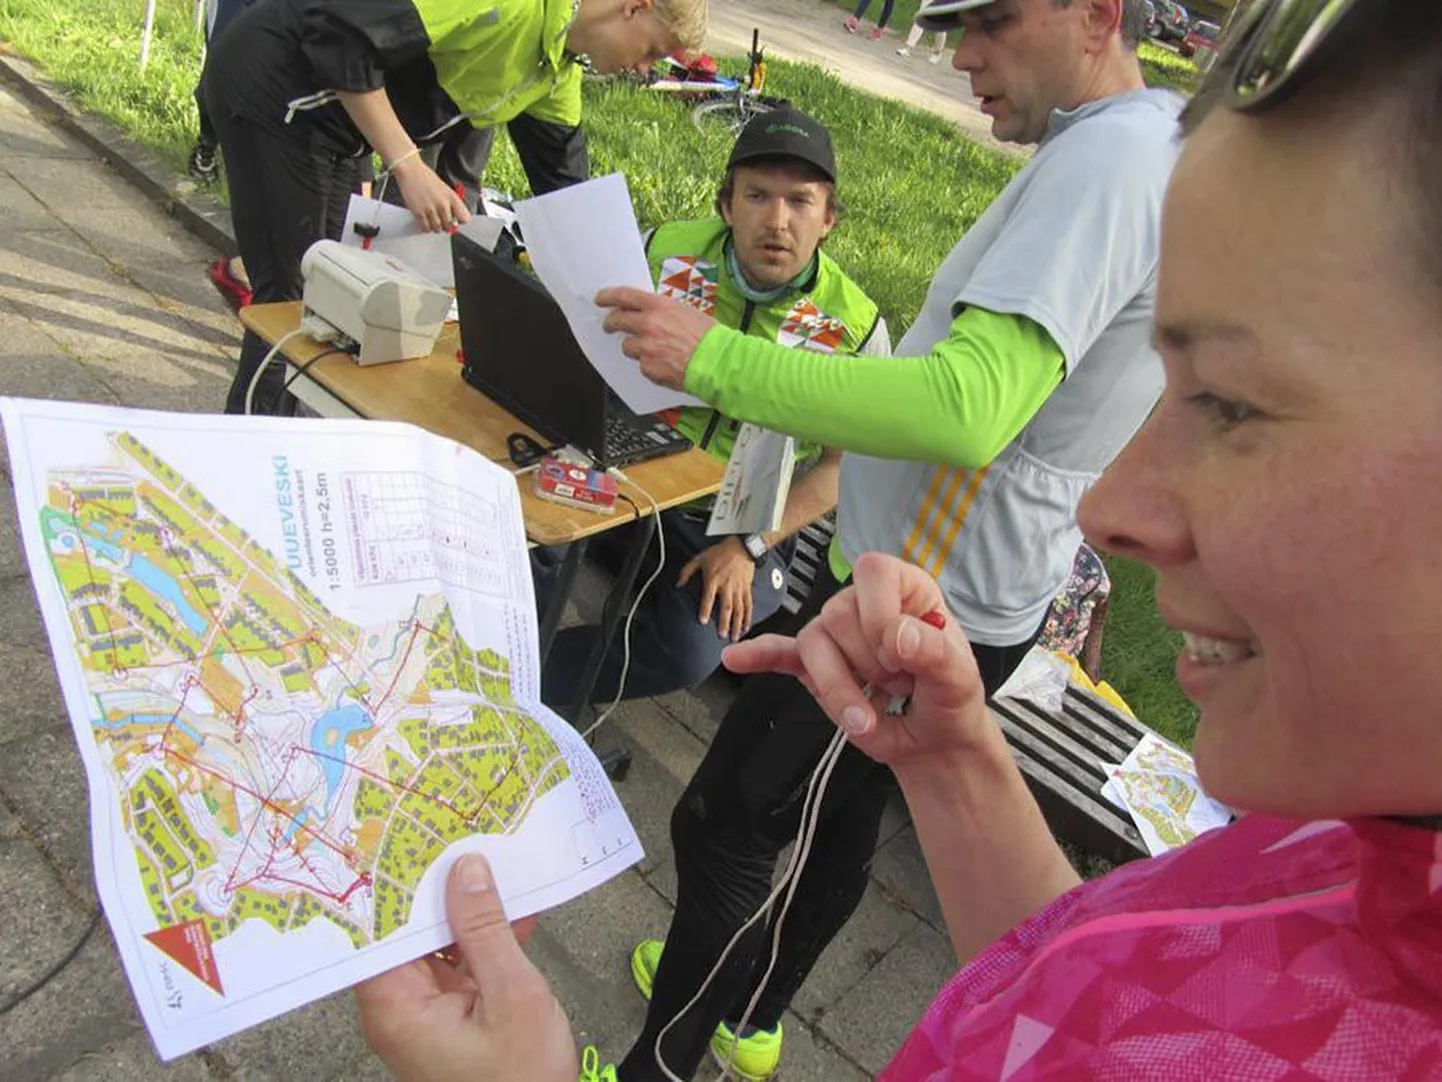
<point>1286,491</point>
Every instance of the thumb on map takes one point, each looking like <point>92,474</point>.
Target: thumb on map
<point>483,934</point>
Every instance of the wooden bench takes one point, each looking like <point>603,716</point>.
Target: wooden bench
<point>1060,755</point>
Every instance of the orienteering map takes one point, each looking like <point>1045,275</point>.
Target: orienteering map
<point>286,734</point>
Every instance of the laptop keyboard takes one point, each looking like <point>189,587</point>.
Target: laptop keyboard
<point>630,440</point>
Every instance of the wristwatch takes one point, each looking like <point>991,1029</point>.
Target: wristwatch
<point>755,546</point>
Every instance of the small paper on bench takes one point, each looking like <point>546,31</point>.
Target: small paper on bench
<point>1157,785</point>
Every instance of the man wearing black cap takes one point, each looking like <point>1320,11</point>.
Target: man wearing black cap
<point>758,268</point>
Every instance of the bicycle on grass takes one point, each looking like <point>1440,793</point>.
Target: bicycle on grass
<point>722,101</point>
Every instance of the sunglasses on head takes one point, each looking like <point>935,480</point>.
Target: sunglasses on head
<point>1268,43</point>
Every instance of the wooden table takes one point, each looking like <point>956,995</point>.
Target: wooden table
<point>430,393</point>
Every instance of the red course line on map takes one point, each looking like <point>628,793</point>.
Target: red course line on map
<point>276,839</point>
<point>395,677</point>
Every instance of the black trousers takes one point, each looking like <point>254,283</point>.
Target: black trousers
<point>225,12</point>
<point>287,191</point>
<point>742,807</point>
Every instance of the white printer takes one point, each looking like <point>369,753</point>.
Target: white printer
<point>371,300</point>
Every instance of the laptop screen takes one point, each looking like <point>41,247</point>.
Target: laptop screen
<point>519,349</point>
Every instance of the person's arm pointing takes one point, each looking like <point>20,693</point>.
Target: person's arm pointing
<point>661,333</point>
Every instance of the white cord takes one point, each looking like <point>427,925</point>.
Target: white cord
<point>810,817</point>
<point>806,831</point>
<point>260,369</point>
<point>636,604</point>
<point>829,759</point>
<point>378,195</point>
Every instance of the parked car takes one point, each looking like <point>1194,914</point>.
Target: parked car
<point>1202,36</point>
<point>1173,22</point>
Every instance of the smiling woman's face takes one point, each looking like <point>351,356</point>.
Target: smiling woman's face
<point>1288,488</point>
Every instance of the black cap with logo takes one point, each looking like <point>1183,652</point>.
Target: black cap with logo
<point>786,133</point>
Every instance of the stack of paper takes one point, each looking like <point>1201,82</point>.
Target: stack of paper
<point>428,254</point>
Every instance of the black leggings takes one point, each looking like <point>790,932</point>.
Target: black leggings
<point>741,808</point>
<point>286,193</point>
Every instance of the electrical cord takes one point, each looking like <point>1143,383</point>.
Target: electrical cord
<point>640,594</point>
<point>304,368</point>
<point>260,369</point>
<point>55,970</point>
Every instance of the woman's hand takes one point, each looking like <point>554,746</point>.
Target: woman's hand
<point>493,1018</point>
<point>872,638</point>
<point>437,207</point>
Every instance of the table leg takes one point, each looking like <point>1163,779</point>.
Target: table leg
<point>560,594</point>
<point>613,613</point>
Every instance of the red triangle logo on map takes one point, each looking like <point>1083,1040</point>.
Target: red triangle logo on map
<point>189,944</point>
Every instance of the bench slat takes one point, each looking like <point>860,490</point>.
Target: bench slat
<point>1061,755</point>
<point>1080,817</point>
<point>1097,713</point>
<point>1084,748</point>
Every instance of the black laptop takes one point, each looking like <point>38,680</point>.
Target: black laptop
<point>519,350</point>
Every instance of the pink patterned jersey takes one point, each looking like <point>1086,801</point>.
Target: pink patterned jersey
<point>1268,950</point>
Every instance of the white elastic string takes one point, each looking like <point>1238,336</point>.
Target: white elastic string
<point>810,808</point>
<point>260,369</point>
<point>828,763</point>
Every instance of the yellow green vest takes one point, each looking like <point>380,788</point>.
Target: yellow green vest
<point>498,59</point>
<point>829,315</point>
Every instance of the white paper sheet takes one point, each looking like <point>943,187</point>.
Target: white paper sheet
<point>300,661</point>
<point>581,240</point>
<point>428,254</point>
<point>757,483</point>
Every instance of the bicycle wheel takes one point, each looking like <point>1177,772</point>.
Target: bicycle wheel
<point>730,113</point>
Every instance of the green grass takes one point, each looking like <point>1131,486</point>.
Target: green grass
<point>93,49</point>
<point>1139,653</point>
<point>1163,67</point>
<point>907,199</point>
<point>910,183</point>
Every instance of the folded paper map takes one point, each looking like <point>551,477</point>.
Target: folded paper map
<point>300,661</point>
<point>1157,785</point>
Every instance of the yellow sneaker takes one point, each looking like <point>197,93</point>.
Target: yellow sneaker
<point>753,1058</point>
<point>591,1069</point>
<point>645,960</point>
